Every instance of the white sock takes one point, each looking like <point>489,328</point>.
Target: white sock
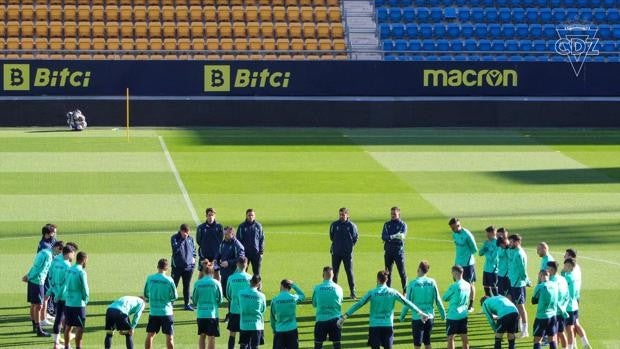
<point>584,340</point>
<point>524,327</point>
<point>56,337</point>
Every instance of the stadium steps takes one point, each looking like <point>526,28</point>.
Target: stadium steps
<point>362,29</point>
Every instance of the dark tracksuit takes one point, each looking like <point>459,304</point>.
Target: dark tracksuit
<point>252,237</point>
<point>394,250</point>
<point>229,251</point>
<point>209,237</point>
<point>343,236</point>
<point>183,255</point>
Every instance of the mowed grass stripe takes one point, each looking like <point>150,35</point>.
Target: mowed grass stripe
<point>80,143</point>
<point>88,183</point>
<point>111,207</point>
<point>50,162</point>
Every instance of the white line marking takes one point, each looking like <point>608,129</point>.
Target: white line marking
<point>186,197</point>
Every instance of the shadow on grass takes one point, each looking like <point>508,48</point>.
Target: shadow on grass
<point>50,131</point>
<point>609,175</point>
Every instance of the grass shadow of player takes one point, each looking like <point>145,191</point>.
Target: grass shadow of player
<point>49,131</point>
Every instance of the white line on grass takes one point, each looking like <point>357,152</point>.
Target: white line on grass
<point>177,176</point>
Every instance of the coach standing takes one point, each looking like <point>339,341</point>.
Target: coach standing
<point>343,234</point>
<point>393,236</point>
<point>251,235</point>
<point>183,260</point>
<point>209,236</point>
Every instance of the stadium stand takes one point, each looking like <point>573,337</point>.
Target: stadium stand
<point>486,30</point>
<point>173,29</point>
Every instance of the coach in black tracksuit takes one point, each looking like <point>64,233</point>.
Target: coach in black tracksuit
<point>209,236</point>
<point>228,253</point>
<point>251,235</point>
<point>183,260</point>
<point>343,234</point>
<point>393,237</point>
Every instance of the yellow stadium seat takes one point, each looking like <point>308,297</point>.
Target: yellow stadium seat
<point>111,30</point>
<point>300,57</point>
<point>182,30</point>
<point>126,29</point>
<point>222,2</point>
<point>254,44</point>
<point>253,29</point>
<point>285,57</point>
<point>238,13</point>
<point>264,13</point>
<point>27,12</point>
<point>140,30</point>
<point>110,2</point>
<point>239,30</point>
<point>69,29</point>
<point>127,44</point>
<point>182,13</point>
<point>154,29</point>
<point>266,30</point>
<point>320,13</point>
<point>311,44</point>
<point>223,13</point>
<point>309,30</point>
<point>27,28</point>
<point>241,44</point>
<point>169,30</point>
<point>139,13</point>
<point>97,2</point>
<point>292,13</point>
<point>279,14</point>
<point>155,44</point>
<point>55,44</point>
<point>198,44</point>
<point>251,13</point>
<point>126,2</point>
<point>13,44</point>
<point>241,57</point>
<point>225,30</point>
<point>56,56</point>
<point>339,45</point>
<point>142,44</point>
<point>184,44</point>
<point>305,3</point>
<point>195,13</point>
<point>113,44</point>
<point>39,43</point>
<point>307,14</point>
<point>126,13</point>
<point>197,30</point>
<point>2,30</point>
<point>155,2</point>
<point>40,13</point>
<point>70,44</point>
<point>97,13</point>
<point>335,3</point>
<point>98,44</point>
<point>12,29</point>
<point>269,44</point>
<point>201,2</point>
<point>325,44</point>
<point>283,45</point>
<point>337,30</point>
<point>281,30</point>
<point>270,57</point>
<point>167,13</point>
<point>98,29</point>
<point>322,30</point>
<point>2,44</point>
<point>291,3</point>
<point>84,56</point>
<point>209,13</point>
<point>316,3</point>
<point>153,13</point>
<point>170,44</point>
<point>294,30</point>
<point>228,57</point>
<point>297,44</point>
<point>334,14</point>
<point>213,56</point>
<point>68,13</point>
<point>40,29</point>
<point>84,29</point>
<point>111,13</point>
<point>236,3</point>
<point>212,44</point>
<point>156,57</point>
<point>226,44</point>
<point>83,13</point>
<point>25,44</point>
<point>211,29</point>
<point>12,13</point>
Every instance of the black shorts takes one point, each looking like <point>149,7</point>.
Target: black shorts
<point>327,329</point>
<point>234,322</point>
<point>75,316</point>
<point>165,323</point>
<point>544,327</point>
<point>518,295</point>
<point>251,339</point>
<point>489,279</point>
<point>508,323</point>
<point>456,326</point>
<point>559,324</point>
<point>116,320</point>
<point>286,340</point>
<point>210,327</point>
<point>36,293</point>
<point>503,285</point>
<point>571,320</point>
<point>380,336</point>
<point>421,331</point>
<point>469,273</point>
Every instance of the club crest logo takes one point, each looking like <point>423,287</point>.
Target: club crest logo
<point>576,43</point>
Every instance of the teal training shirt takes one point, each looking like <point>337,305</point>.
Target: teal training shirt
<point>252,304</point>
<point>465,247</point>
<point>423,292</point>
<point>546,296</point>
<point>517,269</point>
<point>207,297</point>
<point>543,261</point>
<point>57,276</point>
<point>563,297</point>
<point>503,260</point>
<point>77,287</point>
<point>160,292</point>
<point>130,305</point>
<point>40,266</point>
<point>382,300</point>
<point>499,306</point>
<point>238,281</point>
<point>327,300</point>
<point>458,297</point>
<point>490,251</point>
<point>573,292</point>
<point>577,279</point>
<point>284,310</point>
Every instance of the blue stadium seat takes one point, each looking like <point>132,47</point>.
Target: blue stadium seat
<point>557,58</point>
<point>585,14</point>
<point>487,58</point>
<point>397,30</point>
<point>388,45</point>
<point>536,31</point>
<point>599,14</point>
<point>405,3</point>
<point>515,3</point>
<point>512,45</point>
<point>531,14</point>
<point>606,46</point>
<point>498,45</point>
<point>420,3</point>
<point>599,59</point>
<point>502,3</point>
<point>446,2</point>
<point>431,58</point>
<point>428,45</point>
<point>445,58</point>
<point>495,30</point>
<point>551,45</point>
<point>539,45</point>
<point>518,15</point>
<point>454,31</point>
<point>613,58</point>
<point>426,30</point>
<point>572,14</point>
<point>456,45</point>
<point>412,30</point>
<point>604,31</point>
<point>477,14</point>
<point>609,3</point>
<point>508,30</point>
<point>461,2</point>
<point>501,58</point>
<point>529,58</point>
<point>408,14</point>
<point>542,58</point>
<point>504,14</point>
<point>400,45</point>
<point>582,3</point>
<point>439,30</point>
<point>487,3</point>
<point>549,32</point>
<point>379,3</point>
<point>390,57</point>
<point>484,45</point>
<point>467,30</point>
<point>528,3</point>
<point>433,3</point>
<point>449,13</point>
<point>516,58</point>
<point>442,45</point>
<point>382,15</point>
<point>393,3</point>
<point>490,14</point>
<point>423,14</point>
<point>436,14</point>
<point>471,45</point>
<point>463,14</point>
<point>384,31</point>
<point>395,14</point>
<point>544,14</point>
<point>415,45</point>
<point>558,14</point>
<point>615,31</point>
<point>525,45</point>
<point>555,3</point>
<point>569,3</point>
<point>460,58</point>
<point>523,30</point>
<point>481,30</point>
<point>541,3</point>
<point>613,15</point>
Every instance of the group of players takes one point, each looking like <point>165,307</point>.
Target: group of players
<point>224,255</point>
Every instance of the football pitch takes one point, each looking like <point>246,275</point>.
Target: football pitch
<point>122,198</point>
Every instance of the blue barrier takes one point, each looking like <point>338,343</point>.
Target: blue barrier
<point>316,78</point>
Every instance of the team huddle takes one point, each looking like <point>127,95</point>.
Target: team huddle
<point>57,284</point>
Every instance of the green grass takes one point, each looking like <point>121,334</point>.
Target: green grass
<point>120,201</point>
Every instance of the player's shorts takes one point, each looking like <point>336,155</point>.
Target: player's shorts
<point>421,331</point>
<point>469,273</point>
<point>544,327</point>
<point>380,336</point>
<point>36,293</point>
<point>456,326</point>
<point>234,322</point>
<point>75,316</point>
<point>327,329</point>
<point>518,295</point>
<point>251,339</point>
<point>116,320</point>
<point>508,323</point>
<point>503,285</point>
<point>210,327</point>
<point>572,318</point>
<point>559,323</point>
<point>288,339</point>
<point>164,322</point>
<point>489,279</point>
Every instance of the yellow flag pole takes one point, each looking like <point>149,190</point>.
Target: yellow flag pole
<point>127,113</point>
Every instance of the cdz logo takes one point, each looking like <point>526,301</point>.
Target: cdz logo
<point>576,43</point>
